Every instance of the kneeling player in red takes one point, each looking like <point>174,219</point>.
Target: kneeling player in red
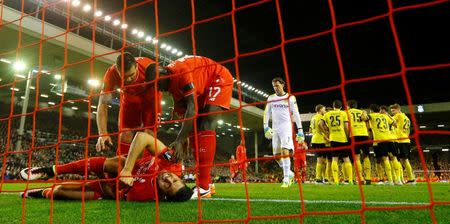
<point>199,87</point>
<point>300,161</point>
<point>152,174</point>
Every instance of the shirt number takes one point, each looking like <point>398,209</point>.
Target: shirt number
<point>213,92</point>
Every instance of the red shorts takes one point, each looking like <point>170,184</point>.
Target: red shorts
<point>140,110</point>
<point>218,92</point>
<point>97,188</point>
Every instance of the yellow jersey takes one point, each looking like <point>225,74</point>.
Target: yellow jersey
<point>379,123</point>
<point>317,137</point>
<point>403,127</point>
<point>335,120</point>
<point>359,127</point>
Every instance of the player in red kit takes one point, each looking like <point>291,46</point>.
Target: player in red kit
<point>139,107</point>
<point>141,176</point>
<point>300,161</point>
<point>199,86</point>
<point>241,156</point>
<point>233,168</point>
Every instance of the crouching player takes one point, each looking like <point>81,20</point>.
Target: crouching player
<point>145,177</point>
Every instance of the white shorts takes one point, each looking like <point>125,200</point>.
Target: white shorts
<point>282,140</point>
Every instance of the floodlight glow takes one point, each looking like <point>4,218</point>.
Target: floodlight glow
<point>31,87</point>
<point>87,8</point>
<point>220,122</point>
<point>19,66</point>
<point>420,109</point>
<point>20,76</point>
<point>441,125</point>
<point>57,77</point>
<point>174,51</point>
<point>98,13</point>
<point>168,48</point>
<point>426,150</point>
<point>163,102</point>
<point>15,89</point>
<point>107,18</point>
<point>116,22</point>
<point>422,126</point>
<point>76,3</point>
<point>94,83</point>
<point>155,41</point>
<point>51,103</point>
<point>141,34</point>
<point>163,45</point>
<point>179,53</point>
<point>148,38</point>
<point>44,95</point>
<point>124,26</point>
<point>134,31</point>
<point>74,108</point>
<point>93,106</point>
<point>445,150</point>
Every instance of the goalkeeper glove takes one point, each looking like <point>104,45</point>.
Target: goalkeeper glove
<point>300,136</point>
<point>268,132</point>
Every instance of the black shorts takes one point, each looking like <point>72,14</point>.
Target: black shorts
<point>324,154</point>
<point>342,153</point>
<point>364,148</point>
<point>393,148</point>
<point>383,149</point>
<point>404,150</point>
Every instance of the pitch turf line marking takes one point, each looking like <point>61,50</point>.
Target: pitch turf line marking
<point>317,201</point>
<point>298,201</point>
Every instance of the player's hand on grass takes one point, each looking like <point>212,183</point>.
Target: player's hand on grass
<point>126,177</point>
<point>103,142</point>
<point>268,133</point>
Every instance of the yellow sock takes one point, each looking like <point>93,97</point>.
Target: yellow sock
<point>397,168</point>
<point>394,174</point>
<point>380,171</point>
<point>402,177</point>
<point>335,171</point>
<point>409,172</point>
<point>387,169</point>
<point>359,171</point>
<point>329,171</point>
<point>324,171</point>
<point>349,170</point>
<point>319,170</point>
<point>367,168</point>
<point>344,172</point>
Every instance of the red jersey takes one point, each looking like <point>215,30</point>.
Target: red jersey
<point>299,152</point>
<point>143,188</point>
<point>233,165</point>
<point>200,76</point>
<point>113,80</point>
<point>241,154</point>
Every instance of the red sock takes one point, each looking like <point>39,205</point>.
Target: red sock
<point>207,150</point>
<point>47,193</point>
<point>123,149</point>
<point>94,164</point>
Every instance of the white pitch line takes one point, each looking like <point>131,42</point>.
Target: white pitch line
<point>298,201</point>
<point>318,201</point>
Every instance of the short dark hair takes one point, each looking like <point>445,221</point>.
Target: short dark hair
<point>184,194</point>
<point>278,79</point>
<point>352,104</point>
<point>319,107</point>
<point>128,61</point>
<point>384,107</point>
<point>374,107</point>
<point>337,104</point>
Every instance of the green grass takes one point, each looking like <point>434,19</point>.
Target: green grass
<point>317,198</point>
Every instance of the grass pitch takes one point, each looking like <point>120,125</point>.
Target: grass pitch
<point>268,204</point>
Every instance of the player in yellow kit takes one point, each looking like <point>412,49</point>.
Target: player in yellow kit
<point>395,164</point>
<point>379,125</point>
<point>335,124</point>
<point>402,133</point>
<point>359,132</point>
<point>318,141</point>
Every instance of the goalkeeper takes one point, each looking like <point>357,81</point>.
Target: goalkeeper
<point>280,107</point>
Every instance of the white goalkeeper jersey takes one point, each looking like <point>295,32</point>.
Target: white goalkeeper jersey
<point>283,110</point>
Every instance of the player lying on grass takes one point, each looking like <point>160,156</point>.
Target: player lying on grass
<point>151,174</point>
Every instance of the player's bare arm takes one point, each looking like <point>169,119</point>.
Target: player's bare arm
<point>104,142</point>
<point>186,128</point>
<point>142,141</point>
